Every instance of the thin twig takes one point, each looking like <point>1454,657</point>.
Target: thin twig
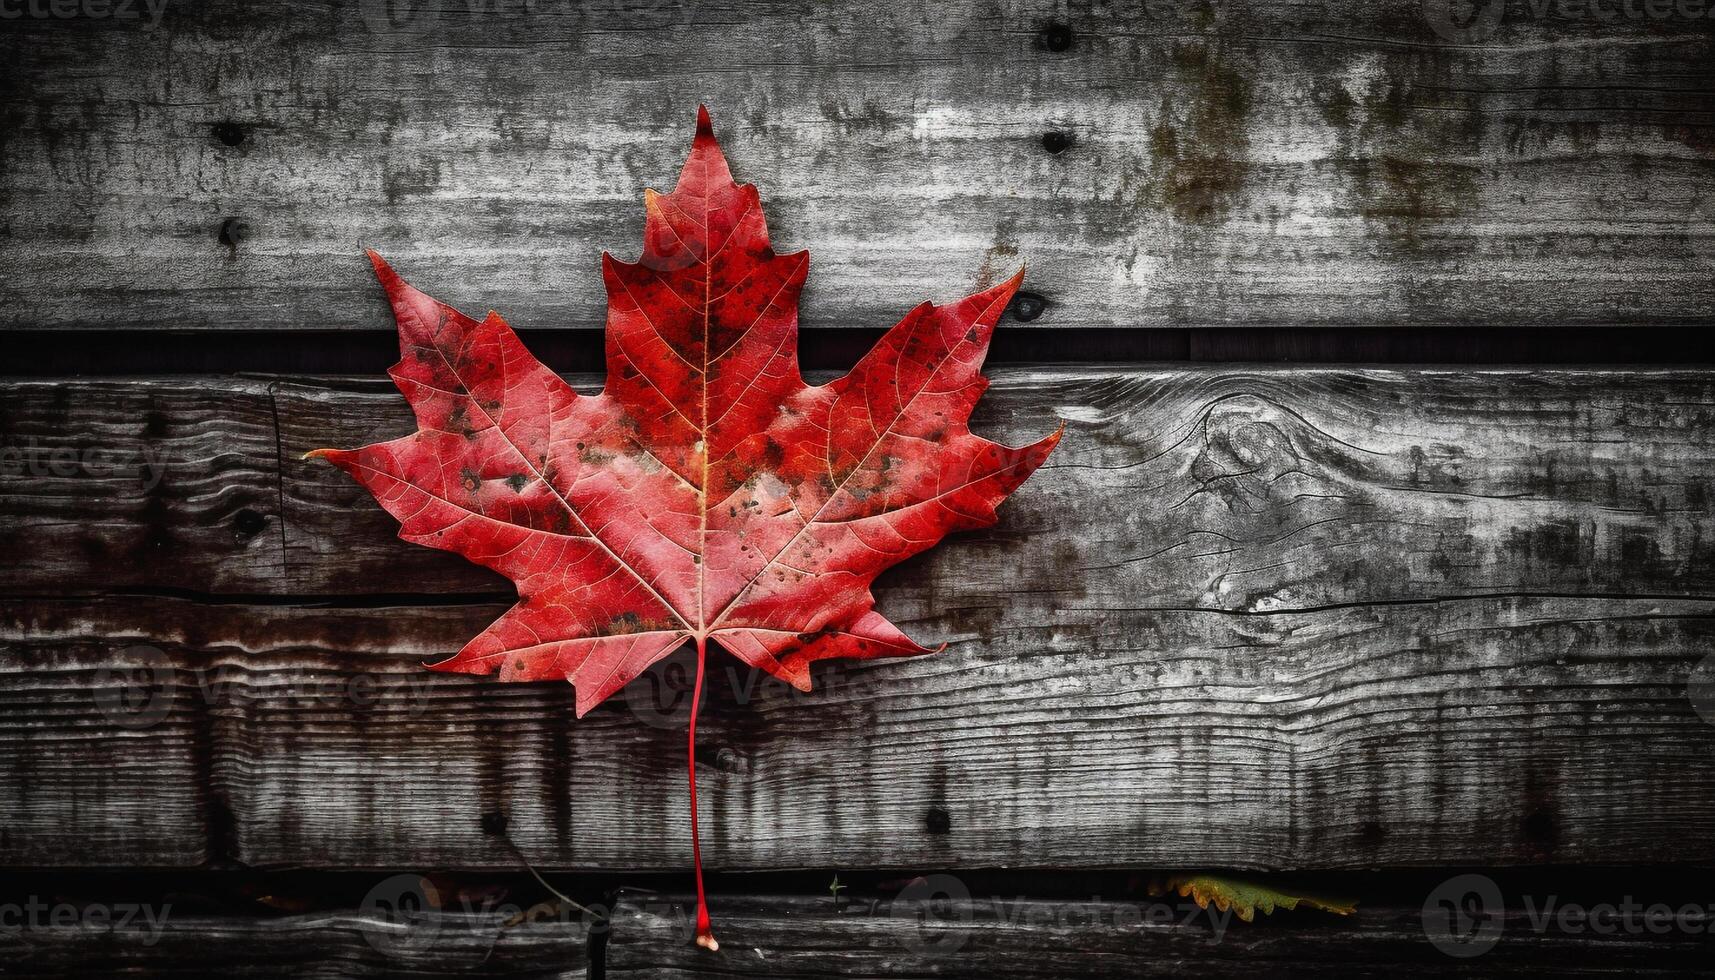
<point>543,881</point>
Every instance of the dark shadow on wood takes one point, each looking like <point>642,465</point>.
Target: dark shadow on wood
<point>49,353</point>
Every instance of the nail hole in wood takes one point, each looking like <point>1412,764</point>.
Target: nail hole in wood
<point>249,523</point>
<point>1055,37</point>
<point>230,133</point>
<point>232,231</point>
<point>1539,827</point>
<point>1026,307</point>
<point>1057,142</point>
<point>938,821</point>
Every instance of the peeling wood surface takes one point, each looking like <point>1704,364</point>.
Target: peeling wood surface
<point>1153,163</point>
<point>1011,938</point>
<point>1266,618</point>
<point>341,944</point>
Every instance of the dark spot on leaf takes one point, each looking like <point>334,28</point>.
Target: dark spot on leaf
<point>516,482</point>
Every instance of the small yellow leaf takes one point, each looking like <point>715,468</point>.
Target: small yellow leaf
<point>1243,897</point>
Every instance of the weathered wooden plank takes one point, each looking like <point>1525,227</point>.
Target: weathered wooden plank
<point>1013,938</point>
<point>1195,638</point>
<point>1155,164</point>
<point>1486,731</point>
<point>1246,490</point>
<point>349,943</point>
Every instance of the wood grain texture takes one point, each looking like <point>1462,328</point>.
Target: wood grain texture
<point>1243,491</point>
<point>1271,618</point>
<point>1013,938</point>
<point>1496,731</point>
<point>339,944</point>
<point>1153,163</point>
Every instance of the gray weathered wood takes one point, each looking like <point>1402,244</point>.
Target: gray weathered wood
<point>1252,163</point>
<point>1491,731</point>
<point>1012,938</point>
<point>346,943</point>
<point>1244,490</point>
<point>1271,618</point>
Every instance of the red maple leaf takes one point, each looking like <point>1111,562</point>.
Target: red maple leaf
<point>707,492</point>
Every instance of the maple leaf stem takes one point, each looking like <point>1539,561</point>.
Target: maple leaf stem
<point>705,932</point>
